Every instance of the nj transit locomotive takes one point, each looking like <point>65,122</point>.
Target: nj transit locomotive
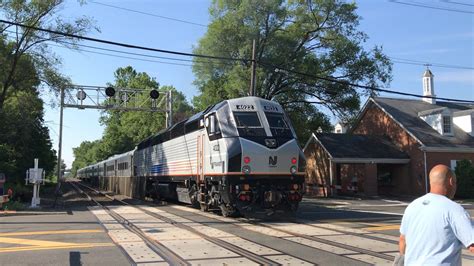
<point>238,155</point>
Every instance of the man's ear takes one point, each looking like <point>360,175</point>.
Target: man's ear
<point>451,180</point>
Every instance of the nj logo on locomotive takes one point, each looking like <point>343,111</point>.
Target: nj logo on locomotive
<point>272,160</point>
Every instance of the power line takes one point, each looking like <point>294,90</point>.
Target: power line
<point>225,58</point>
<point>330,79</point>
<point>457,3</point>
<point>149,14</point>
<point>129,53</point>
<point>181,53</point>
<point>126,57</point>
<point>132,46</point>
<point>424,63</point>
<point>431,7</point>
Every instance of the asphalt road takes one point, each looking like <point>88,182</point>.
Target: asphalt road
<point>323,232</point>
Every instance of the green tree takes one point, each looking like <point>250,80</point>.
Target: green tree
<point>316,37</point>
<point>23,136</point>
<point>26,42</point>
<point>86,154</point>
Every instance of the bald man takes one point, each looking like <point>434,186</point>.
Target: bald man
<point>434,228</point>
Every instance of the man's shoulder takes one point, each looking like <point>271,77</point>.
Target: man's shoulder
<point>438,200</point>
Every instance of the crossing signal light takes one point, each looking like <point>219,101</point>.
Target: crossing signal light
<point>154,94</point>
<point>110,91</point>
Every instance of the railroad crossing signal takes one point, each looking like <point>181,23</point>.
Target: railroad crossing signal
<point>112,98</point>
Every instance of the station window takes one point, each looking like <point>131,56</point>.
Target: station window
<point>447,125</point>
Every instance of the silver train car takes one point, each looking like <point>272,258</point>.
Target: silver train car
<point>240,155</point>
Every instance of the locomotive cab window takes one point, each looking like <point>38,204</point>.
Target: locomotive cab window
<point>276,120</point>
<point>278,125</point>
<point>248,124</point>
<point>247,119</point>
<point>212,126</point>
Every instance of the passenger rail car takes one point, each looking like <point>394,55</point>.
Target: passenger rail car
<point>238,155</point>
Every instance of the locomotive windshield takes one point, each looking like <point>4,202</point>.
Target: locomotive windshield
<point>278,125</point>
<point>248,124</point>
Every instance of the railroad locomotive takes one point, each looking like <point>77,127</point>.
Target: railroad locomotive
<point>240,155</point>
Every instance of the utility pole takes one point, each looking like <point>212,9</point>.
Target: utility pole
<point>254,68</point>
<point>60,136</point>
<point>169,107</point>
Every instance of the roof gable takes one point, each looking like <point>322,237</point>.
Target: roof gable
<point>406,113</point>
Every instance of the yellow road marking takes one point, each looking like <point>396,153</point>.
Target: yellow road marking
<point>35,244</point>
<point>32,248</point>
<point>50,232</point>
<point>375,224</point>
<point>383,227</point>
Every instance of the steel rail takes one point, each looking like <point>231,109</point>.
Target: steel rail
<point>236,249</point>
<point>167,254</point>
<point>328,242</point>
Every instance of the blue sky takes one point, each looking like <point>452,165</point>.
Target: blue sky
<point>405,32</point>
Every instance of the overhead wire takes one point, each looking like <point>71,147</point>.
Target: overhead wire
<point>421,63</point>
<point>127,57</point>
<point>430,6</point>
<point>131,46</point>
<point>200,61</point>
<point>457,3</point>
<point>330,79</point>
<point>371,88</point>
<point>394,59</point>
<point>149,14</point>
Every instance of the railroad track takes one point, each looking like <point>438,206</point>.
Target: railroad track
<point>168,255</point>
<point>234,248</point>
<point>318,239</point>
<point>330,242</point>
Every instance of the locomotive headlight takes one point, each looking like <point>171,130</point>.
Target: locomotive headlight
<point>246,169</point>
<point>293,170</point>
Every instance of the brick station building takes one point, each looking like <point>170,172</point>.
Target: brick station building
<point>392,146</point>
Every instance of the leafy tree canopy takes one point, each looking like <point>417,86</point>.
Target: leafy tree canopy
<point>21,42</point>
<point>316,37</point>
<point>23,136</point>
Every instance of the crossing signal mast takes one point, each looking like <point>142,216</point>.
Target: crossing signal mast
<point>112,98</point>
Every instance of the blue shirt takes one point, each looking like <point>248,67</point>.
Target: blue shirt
<point>435,229</point>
